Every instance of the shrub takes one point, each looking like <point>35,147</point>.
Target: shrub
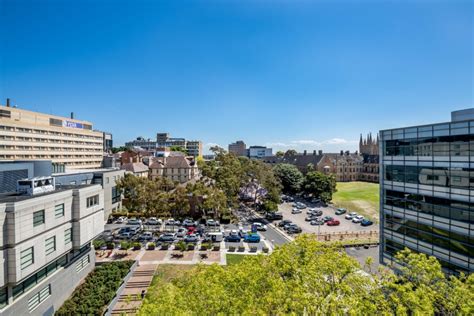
<point>110,245</point>
<point>216,247</point>
<point>265,249</point>
<point>232,248</point>
<point>180,245</point>
<point>98,243</point>
<point>137,246</point>
<point>97,290</point>
<point>151,246</point>
<point>125,245</point>
<point>253,249</point>
<point>241,248</point>
<point>191,247</point>
<point>165,246</point>
<point>204,246</point>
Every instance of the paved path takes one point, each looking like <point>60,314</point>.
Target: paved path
<point>130,299</point>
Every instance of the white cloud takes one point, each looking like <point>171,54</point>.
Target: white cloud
<point>209,145</point>
<point>306,142</point>
<point>277,144</point>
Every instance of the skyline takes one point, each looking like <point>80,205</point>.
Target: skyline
<point>300,75</point>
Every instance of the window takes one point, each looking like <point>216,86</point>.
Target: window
<point>50,245</point>
<point>67,236</point>
<point>3,297</point>
<point>82,263</point>
<point>93,200</point>
<point>39,297</point>
<point>38,218</point>
<point>26,258</point>
<point>59,210</point>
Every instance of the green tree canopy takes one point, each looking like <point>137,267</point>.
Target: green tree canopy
<point>308,277</point>
<point>320,185</point>
<point>290,177</point>
<point>179,149</point>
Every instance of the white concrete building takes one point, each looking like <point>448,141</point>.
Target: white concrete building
<point>45,248</point>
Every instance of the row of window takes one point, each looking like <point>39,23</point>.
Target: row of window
<point>92,201</point>
<point>91,159</point>
<point>39,297</point>
<point>39,216</point>
<point>446,208</point>
<point>439,176</point>
<point>460,145</point>
<point>400,224</point>
<point>49,140</point>
<point>53,149</point>
<point>27,256</point>
<point>391,248</point>
<point>48,132</point>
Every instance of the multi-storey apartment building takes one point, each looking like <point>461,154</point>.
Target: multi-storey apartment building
<point>45,246</point>
<point>238,148</point>
<point>163,140</point>
<point>427,191</point>
<point>68,142</point>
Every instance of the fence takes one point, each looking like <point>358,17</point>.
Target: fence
<point>370,236</point>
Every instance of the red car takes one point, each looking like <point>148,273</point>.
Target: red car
<point>333,222</point>
<point>191,230</point>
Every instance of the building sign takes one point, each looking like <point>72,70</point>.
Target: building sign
<point>72,124</point>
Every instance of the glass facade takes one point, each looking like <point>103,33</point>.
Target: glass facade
<point>427,193</point>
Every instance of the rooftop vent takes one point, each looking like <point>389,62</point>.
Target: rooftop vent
<point>34,186</point>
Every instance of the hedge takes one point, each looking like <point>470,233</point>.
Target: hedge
<point>97,291</point>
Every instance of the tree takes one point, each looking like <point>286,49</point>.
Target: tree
<point>290,177</point>
<point>320,185</point>
<point>291,152</point>
<point>280,154</point>
<point>308,277</point>
<point>117,149</point>
<point>179,149</point>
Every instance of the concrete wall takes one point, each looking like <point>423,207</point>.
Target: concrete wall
<point>63,282</point>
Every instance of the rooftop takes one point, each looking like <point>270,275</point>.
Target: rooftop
<point>17,197</point>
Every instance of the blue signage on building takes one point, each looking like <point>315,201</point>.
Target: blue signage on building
<point>72,124</point>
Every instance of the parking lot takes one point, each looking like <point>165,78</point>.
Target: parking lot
<point>344,226</point>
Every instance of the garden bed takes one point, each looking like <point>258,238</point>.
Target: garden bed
<point>97,290</point>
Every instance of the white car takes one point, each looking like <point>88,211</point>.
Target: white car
<point>296,211</point>
<point>181,232</point>
<point>121,220</point>
<point>134,221</point>
<point>351,215</point>
<point>153,221</point>
<point>358,219</point>
<point>260,226</point>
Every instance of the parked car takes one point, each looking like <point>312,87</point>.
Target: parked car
<point>153,221</point>
<point>296,211</point>
<point>170,221</point>
<point>316,212</point>
<point>168,237</point>
<point>301,206</point>
<point>146,236</point>
<point>290,225</point>
<point>351,215</point>
<point>274,216</point>
<point>134,221</point>
<point>121,220</point>
<point>260,226</point>
<point>181,232</point>
<point>340,211</point>
<point>310,218</point>
<point>233,237</point>
<point>189,223</point>
<point>317,221</point>
<point>333,222</point>
<point>191,238</point>
<point>191,230</point>
<point>252,238</point>
<point>366,222</point>
<point>315,201</point>
<point>294,230</point>
<point>327,219</point>
<point>290,199</point>
<point>125,235</point>
<point>284,222</point>
<point>211,222</point>
<point>358,219</point>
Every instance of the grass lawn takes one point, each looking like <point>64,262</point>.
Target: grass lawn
<point>234,259</point>
<point>361,197</point>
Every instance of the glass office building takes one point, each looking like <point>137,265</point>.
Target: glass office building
<point>427,191</point>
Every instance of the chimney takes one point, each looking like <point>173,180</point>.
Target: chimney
<point>8,102</point>
<point>72,115</point>
<point>314,152</point>
<point>342,152</point>
<point>347,152</point>
<point>320,152</point>
<point>304,153</point>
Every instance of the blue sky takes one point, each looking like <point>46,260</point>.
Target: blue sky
<point>290,74</point>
